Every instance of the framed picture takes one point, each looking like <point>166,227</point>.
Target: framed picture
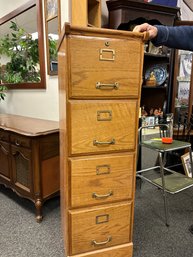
<point>183,92</point>
<point>150,121</point>
<point>51,9</point>
<point>185,64</point>
<point>189,3</point>
<point>186,164</point>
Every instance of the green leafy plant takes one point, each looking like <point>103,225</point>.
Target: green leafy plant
<point>52,48</point>
<point>22,51</point>
<point>3,90</point>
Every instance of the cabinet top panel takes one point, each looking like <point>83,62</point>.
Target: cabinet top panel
<point>98,32</point>
<point>27,126</point>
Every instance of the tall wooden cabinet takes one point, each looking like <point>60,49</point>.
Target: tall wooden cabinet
<point>86,13</point>
<point>100,76</point>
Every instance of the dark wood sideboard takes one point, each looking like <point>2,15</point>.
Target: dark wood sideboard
<point>29,158</point>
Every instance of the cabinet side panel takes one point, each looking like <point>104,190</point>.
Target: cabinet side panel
<point>63,81</point>
<point>50,176</point>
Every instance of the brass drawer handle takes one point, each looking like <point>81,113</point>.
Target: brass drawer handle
<point>112,142</point>
<point>100,85</point>
<point>95,195</point>
<point>17,143</point>
<point>94,242</point>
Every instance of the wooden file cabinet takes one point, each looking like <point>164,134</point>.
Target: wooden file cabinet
<point>29,158</point>
<point>100,76</point>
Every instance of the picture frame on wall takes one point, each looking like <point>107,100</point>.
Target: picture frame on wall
<point>185,65</point>
<point>186,164</point>
<point>189,3</point>
<point>51,9</point>
<point>150,121</point>
<point>183,92</point>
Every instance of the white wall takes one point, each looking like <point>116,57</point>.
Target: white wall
<point>104,13</point>
<point>33,103</point>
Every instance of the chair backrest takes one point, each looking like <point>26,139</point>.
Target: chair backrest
<point>155,131</point>
<point>184,127</point>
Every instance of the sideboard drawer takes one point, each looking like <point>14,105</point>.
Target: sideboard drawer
<point>101,227</point>
<point>101,126</point>
<point>20,140</point>
<point>112,67</point>
<point>98,180</point>
<point>4,135</point>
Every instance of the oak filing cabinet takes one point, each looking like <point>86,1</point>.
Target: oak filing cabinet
<point>100,76</point>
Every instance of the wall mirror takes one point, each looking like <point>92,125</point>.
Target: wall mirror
<point>22,48</point>
<point>52,29</point>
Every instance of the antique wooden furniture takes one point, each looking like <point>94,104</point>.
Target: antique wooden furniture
<point>29,158</point>
<point>86,13</point>
<point>100,76</point>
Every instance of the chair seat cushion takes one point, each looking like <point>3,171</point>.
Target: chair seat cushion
<point>175,182</point>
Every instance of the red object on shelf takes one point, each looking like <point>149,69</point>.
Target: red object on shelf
<point>167,140</point>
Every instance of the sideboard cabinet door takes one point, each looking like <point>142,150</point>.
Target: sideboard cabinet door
<point>21,164</point>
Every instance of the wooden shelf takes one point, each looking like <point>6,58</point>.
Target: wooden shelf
<point>86,13</point>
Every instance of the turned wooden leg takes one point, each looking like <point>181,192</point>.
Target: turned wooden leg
<point>38,205</point>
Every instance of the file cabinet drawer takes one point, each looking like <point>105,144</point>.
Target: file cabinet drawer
<point>103,126</point>
<point>125,250</point>
<point>96,228</point>
<point>98,180</point>
<point>112,67</point>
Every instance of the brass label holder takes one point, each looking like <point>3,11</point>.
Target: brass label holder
<point>104,52</point>
<point>103,169</point>
<point>102,219</point>
<point>104,115</point>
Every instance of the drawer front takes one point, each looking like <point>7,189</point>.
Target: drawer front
<point>4,135</point>
<point>125,250</point>
<point>20,140</point>
<point>97,180</point>
<point>93,229</point>
<point>100,126</point>
<point>105,67</point>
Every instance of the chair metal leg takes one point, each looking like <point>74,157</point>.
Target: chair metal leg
<point>163,187</point>
<point>191,163</point>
